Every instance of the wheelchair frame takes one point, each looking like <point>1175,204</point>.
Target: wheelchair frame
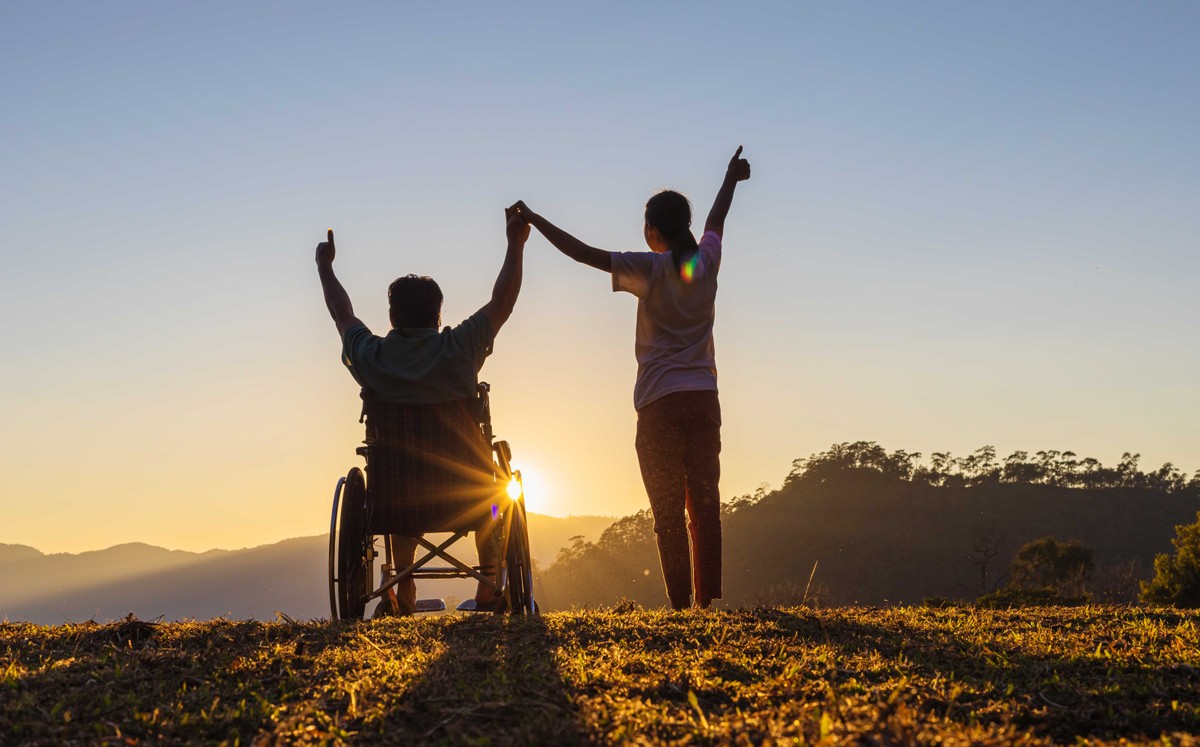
<point>353,550</point>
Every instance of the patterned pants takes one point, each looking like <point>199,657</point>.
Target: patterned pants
<point>679,450</point>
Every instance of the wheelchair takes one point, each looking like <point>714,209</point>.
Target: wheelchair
<point>430,469</point>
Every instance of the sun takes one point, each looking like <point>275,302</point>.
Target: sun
<point>537,491</point>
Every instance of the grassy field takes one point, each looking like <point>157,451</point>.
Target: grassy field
<point>881,676</point>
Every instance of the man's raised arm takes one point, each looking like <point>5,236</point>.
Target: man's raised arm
<point>737,171</point>
<point>336,298</point>
<point>508,282</point>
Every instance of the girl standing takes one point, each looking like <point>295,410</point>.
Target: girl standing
<point>679,414</point>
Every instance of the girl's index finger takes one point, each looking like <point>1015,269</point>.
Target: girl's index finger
<point>330,234</point>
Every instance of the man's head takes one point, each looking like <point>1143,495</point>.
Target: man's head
<point>415,301</point>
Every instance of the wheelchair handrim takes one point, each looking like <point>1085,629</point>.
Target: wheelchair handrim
<point>333,537</point>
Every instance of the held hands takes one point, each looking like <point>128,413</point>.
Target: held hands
<point>516,224</point>
<point>326,251</point>
<point>523,210</point>
<point>739,168</point>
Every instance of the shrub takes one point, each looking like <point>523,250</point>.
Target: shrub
<point>1047,563</point>
<point>1177,577</point>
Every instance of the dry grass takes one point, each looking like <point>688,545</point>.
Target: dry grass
<point>793,675</point>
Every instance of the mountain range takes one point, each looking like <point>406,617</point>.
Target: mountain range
<point>288,577</point>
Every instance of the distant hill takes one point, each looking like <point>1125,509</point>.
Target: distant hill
<point>877,540</point>
<point>288,577</point>
<point>9,553</point>
<point>879,528</point>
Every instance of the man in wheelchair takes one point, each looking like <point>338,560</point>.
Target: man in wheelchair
<point>419,386</point>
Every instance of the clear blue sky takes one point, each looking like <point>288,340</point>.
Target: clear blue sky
<point>967,225</point>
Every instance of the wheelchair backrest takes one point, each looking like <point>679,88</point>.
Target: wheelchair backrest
<point>429,466</point>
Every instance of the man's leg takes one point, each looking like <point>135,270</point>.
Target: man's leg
<point>485,596</point>
<point>702,455</point>
<point>661,462</point>
<point>404,554</point>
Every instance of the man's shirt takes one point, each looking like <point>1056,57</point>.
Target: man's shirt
<point>419,366</point>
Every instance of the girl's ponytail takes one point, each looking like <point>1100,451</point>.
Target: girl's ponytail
<point>682,249</point>
<point>671,214</point>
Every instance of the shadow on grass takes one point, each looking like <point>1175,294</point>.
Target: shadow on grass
<point>495,681</point>
<point>1076,691</point>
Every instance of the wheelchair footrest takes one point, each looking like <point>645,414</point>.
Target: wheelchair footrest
<point>471,606</point>
<point>431,605</point>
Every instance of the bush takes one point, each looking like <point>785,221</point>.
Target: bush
<point>1047,563</point>
<point>1046,572</point>
<point>1177,577</point>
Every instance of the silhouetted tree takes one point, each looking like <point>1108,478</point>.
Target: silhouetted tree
<point>636,529</point>
<point>1047,467</point>
<point>1177,577</point>
<point>1092,474</point>
<point>1128,474</point>
<point>1018,468</point>
<point>1050,470</point>
<point>860,455</point>
<point>986,546</point>
<point>941,462</point>
<point>1167,479</point>
<point>981,466</point>
<point>1050,564</point>
<point>742,502</point>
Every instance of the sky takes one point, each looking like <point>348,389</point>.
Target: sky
<point>967,224</point>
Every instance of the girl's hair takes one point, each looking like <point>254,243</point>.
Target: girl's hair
<point>671,213</point>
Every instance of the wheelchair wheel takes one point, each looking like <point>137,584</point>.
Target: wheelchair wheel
<point>520,565</point>
<point>353,544</point>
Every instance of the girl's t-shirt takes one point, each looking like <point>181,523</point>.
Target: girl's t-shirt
<point>675,312</point>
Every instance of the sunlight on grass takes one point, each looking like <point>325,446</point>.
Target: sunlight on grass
<point>786,675</point>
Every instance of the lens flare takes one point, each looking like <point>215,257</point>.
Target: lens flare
<point>691,268</point>
<point>514,488</point>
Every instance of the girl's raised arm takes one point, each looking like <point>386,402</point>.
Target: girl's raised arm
<point>738,171</point>
<point>565,242</point>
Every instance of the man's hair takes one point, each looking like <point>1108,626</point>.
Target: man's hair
<point>415,301</point>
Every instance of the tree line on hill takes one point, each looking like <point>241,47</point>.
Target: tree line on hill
<point>859,524</point>
<point>1056,468</point>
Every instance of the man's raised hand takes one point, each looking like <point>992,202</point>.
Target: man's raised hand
<point>739,168</point>
<point>326,251</point>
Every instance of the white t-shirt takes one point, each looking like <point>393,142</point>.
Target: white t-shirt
<point>674,341</point>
